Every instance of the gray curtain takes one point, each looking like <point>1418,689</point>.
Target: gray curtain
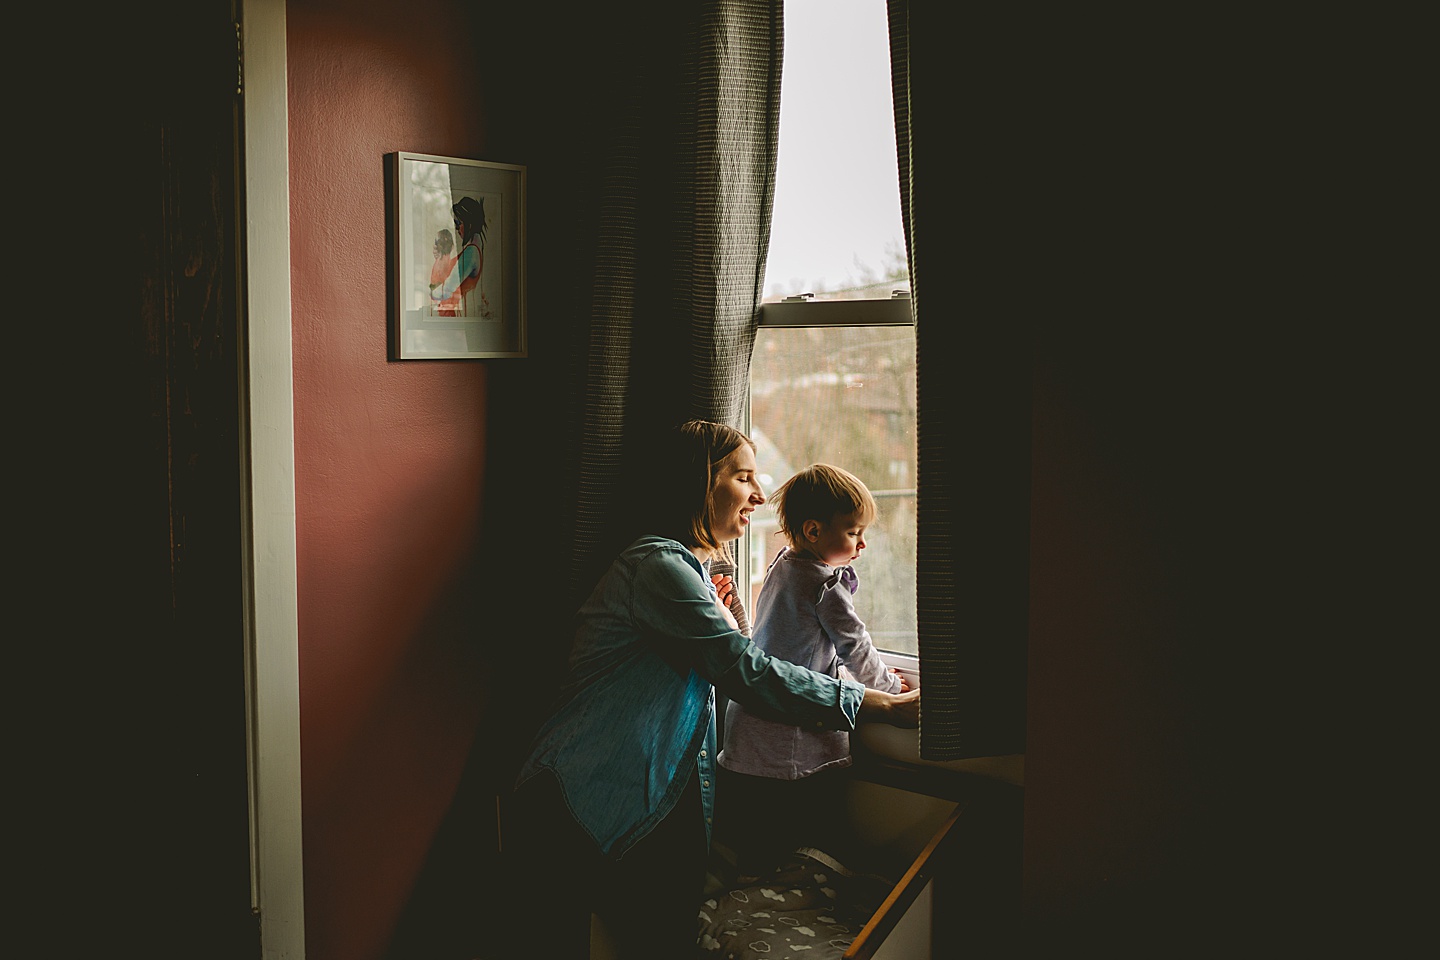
<point>973,399</point>
<point>683,229</point>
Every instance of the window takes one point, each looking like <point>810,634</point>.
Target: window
<point>826,390</point>
<point>833,375</point>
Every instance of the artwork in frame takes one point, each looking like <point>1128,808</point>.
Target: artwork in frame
<point>458,258</point>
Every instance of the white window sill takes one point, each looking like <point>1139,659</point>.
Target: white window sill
<point>900,746</point>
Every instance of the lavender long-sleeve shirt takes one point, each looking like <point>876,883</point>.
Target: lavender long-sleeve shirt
<point>805,614</point>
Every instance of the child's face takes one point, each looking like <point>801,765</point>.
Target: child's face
<point>837,542</point>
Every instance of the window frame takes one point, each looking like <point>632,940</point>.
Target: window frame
<point>807,311</point>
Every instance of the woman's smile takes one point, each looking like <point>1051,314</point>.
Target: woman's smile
<point>735,494</point>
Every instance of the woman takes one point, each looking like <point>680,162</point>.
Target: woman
<point>615,799</point>
<point>460,293</point>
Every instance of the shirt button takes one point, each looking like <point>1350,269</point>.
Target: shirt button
<point>702,753</point>
<point>707,819</point>
<point>705,783</point>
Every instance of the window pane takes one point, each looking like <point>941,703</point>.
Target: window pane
<point>835,229</point>
<point>844,396</point>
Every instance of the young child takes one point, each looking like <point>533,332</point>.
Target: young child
<point>779,783</point>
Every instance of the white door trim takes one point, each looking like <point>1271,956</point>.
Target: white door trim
<point>272,632</point>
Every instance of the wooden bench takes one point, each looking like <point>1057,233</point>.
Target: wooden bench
<point>948,831</point>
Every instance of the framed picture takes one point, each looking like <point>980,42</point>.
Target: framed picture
<point>458,258</point>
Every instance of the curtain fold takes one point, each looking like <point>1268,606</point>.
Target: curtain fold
<point>684,226</point>
<point>973,407</point>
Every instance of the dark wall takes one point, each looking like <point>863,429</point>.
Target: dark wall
<point>1189,220</point>
<point>132,680</point>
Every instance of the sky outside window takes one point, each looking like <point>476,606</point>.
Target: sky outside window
<point>836,222</point>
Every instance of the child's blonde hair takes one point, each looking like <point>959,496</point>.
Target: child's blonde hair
<point>820,492</point>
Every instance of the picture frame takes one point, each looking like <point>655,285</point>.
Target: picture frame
<point>457,297</point>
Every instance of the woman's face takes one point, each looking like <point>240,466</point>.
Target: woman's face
<point>735,495</point>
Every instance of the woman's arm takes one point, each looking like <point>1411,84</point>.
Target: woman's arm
<point>676,610</point>
<point>896,709</point>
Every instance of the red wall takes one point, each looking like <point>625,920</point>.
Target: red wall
<point>390,460</point>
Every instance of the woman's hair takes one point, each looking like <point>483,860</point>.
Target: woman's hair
<point>445,241</point>
<point>820,492</point>
<point>685,479</point>
<point>471,212</point>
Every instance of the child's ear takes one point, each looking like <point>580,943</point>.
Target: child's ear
<point>811,529</point>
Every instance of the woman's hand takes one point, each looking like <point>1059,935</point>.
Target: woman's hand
<point>896,709</point>
<point>725,591</point>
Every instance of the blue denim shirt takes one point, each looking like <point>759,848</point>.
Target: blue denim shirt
<point>636,713</point>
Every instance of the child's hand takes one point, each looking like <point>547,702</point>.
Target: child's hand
<point>904,683</point>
